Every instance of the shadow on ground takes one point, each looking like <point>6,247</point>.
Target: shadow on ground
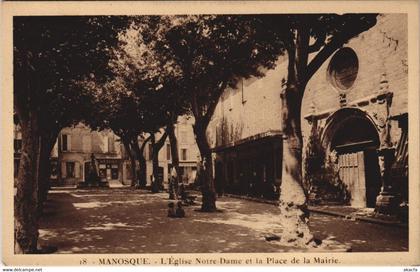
<point>133,221</point>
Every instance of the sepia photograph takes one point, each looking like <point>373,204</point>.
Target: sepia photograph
<point>211,136</point>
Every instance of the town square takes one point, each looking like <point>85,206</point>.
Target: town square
<point>211,133</point>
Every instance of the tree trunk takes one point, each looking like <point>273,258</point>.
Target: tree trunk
<point>156,147</point>
<point>175,156</point>
<point>47,144</point>
<point>142,161</point>
<point>208,190</point>
<point>26,199</point>
<point>142,164</point>
<point>293,206</point>
<point>155,166</point>
<point>142,171</point>
<point>132,157</point>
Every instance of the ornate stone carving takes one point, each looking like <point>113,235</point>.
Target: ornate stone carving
<point>383,84</point>
<point>382,112</point>
<point>386,202</point>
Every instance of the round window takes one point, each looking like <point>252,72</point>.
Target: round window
<point>343,68</point>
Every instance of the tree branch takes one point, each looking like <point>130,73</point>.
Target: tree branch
<point>302,49</point>
<point>143,145</point>
<point>322,56</point>
<point>347,32</point>
<point>159,144</point>
<point>318,44</point>
<point>214,101</point>
<point>194,106</point>
<point>126,143</point>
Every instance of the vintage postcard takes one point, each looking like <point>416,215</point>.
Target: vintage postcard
<point>248,133</point>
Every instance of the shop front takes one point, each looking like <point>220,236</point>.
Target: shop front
<point>109,169</point>
<point>250,167</point>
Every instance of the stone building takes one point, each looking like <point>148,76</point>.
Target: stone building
<point>163,158</point>
<point>75,147</point>
<point>78,143</point>
<point>356,102</point>
<point>71,155</point>
<point>187,151</point>
<point>245,133</point>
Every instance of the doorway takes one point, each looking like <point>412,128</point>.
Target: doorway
<point>355,139</point>
<point>86,171</point>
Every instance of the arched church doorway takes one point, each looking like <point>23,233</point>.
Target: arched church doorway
<point>354,138</point>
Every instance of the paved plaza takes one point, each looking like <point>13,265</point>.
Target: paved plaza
<point>133,221</point>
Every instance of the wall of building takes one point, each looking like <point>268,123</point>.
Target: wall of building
<point>378,94</point>
<point>163,160</point>
<point>82,142</point>
<point>382,50</point>
<point>254,107</point>
<point>187,148</point>
<point>188,158</point>
<point>245,132</point>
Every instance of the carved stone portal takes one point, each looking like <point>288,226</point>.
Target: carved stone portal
<point>386,202</point>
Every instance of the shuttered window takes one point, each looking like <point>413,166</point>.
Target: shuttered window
<point>70,170</point>
<point>66,142</point>
<point>105,144</point>
<point>111,144</point>
<point>77,170</point>
<point>63,170</point>
<point>168,152</point>
<point>184,154</point>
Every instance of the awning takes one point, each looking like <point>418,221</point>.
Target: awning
<point>271,134</point>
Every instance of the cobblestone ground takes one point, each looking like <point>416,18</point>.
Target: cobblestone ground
<point>132,221</point>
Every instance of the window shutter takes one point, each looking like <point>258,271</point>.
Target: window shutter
<point>63,142</point>
<point>63,170</point>
<point>105,144</point>
<point>111,144</point>
<point>69,142</point>
<point>77,170</point>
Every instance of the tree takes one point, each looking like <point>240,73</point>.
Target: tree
<point>150,77</point>
<point>117,109</point>
<point>213,52</point>
<point>328,32</point>
<point>196,58</point>
<point>170,129</point>
<point>166,108</point>
<point>49,54</point>
<point>131,115</point>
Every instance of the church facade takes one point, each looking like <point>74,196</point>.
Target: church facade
<point>355,108</point>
